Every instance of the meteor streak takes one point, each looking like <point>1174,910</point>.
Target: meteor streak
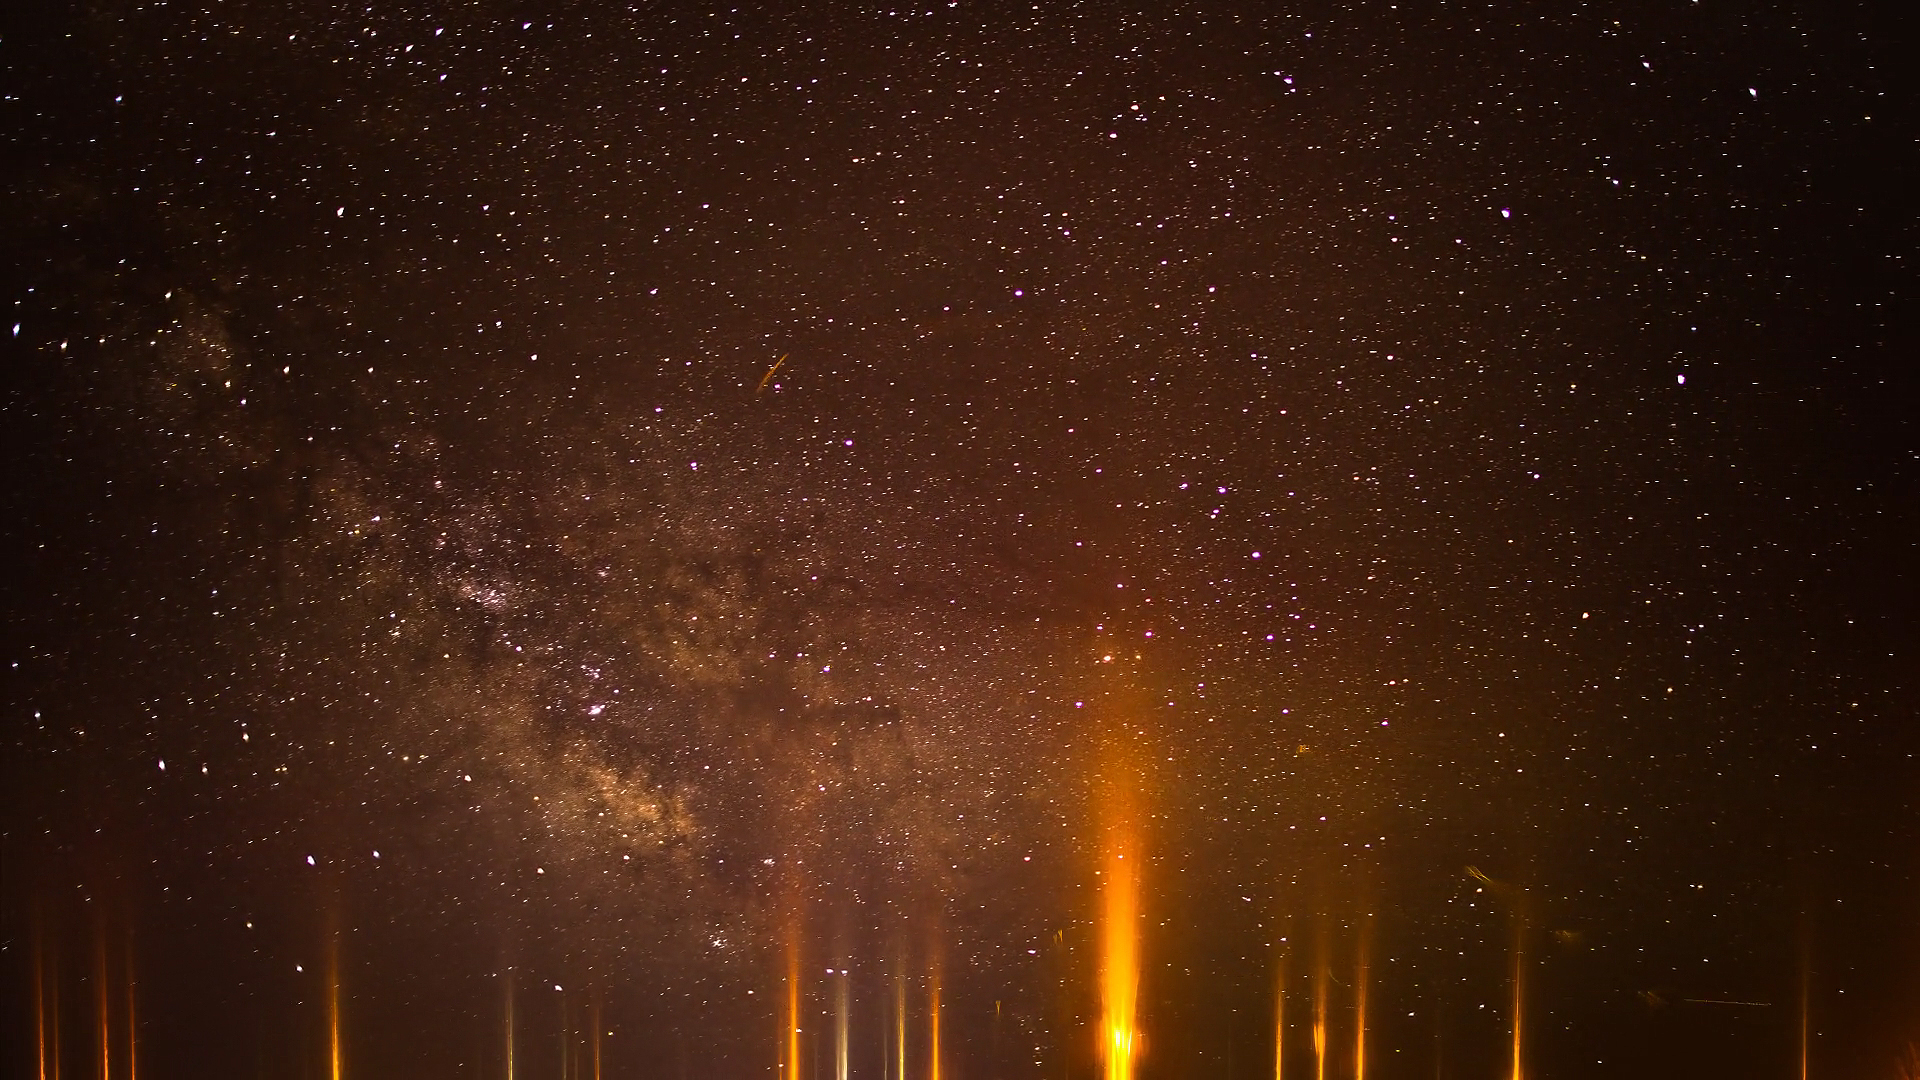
<point>768,377</point>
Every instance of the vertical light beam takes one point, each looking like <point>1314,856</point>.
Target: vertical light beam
<point>39,1005</point>
<point>333,1008</point>
<point>509,1024</point>
<point>841,1021</point>
<point>900,1025</point>
<point>1360,1008</point>
<point>933,1028</point>
<point>103,1000</point>
<point>793,1005</point>
<point>1280,1020</point>
<point>596,1037</point>
<point>1322,975</point>
<point>1806,996</point>
<point>1519,996</point>
<point>1120,962</point>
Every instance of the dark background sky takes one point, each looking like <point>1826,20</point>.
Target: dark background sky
<point>391,456</point>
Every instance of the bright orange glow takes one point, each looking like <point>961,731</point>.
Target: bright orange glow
<point>1280,1021</point>
<point>39,1008</point>
<point>333,1008</point>
<point>933,1029</point>
<point>103,1000</point>
<point>841,1023</point>
<point>1360,1009</point>
<point>509,1025</point>
<point>1321,977</point>
<point>1519,1000</point>
<point>792,1063</point>
<point>900,1026</point>
<point>1120,960</point>
<point>53,1017</point>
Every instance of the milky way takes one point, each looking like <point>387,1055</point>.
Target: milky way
<point>578,507</point>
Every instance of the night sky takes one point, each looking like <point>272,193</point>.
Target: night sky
<point>571,507</point>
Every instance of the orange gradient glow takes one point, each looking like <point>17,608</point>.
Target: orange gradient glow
<point>1280,1020</point>
<point>1519,1001</point>
<point>509,1025</point>
<point>791,1064</point>
<point>933,1028</point>
<point>39,1007</point>
<point>841,1023</point>
<point>1120,959</point>
<point>333,1009</point>
<point>900,1026</point>
<point>1360,1009</point>
<point>103,1000</point>
<point>1321,977</point>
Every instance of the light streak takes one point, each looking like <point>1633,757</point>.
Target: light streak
<point>1360,1007</point>
<point>1120,962</point>
<point>1322,975</point>
<point>1519,996</point>
<point>1280,1020</point>
<point>900,1026</point>
<point>596,1037</point>
<point>39,1005</point>
<point>792,1064</point>
<point>1806,997</point>
<point>509,1024</point>
<point>333,1007</point>
<point>103,1000</point>
<point>768,377</point>
<point>840,1029</point>
<point>53,1009</point>
<point>933,1027</point>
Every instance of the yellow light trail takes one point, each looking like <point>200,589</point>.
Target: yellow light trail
<point>840,1061</point>
<point>53,1010</point>
<point>1280,1020</point>
<point>933,1028</point>
<point>768,377</point>
<point>793,1004</point>
<point>333,1008</point>
<point>1360,1008</point>
<point>102,1000</point>
<point>1120,962</point>
<point>900,1025</point>
<point>509,1025</point>
<point>39,1006</point>
<point>1321,977</point>
<point>1519,996</point>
